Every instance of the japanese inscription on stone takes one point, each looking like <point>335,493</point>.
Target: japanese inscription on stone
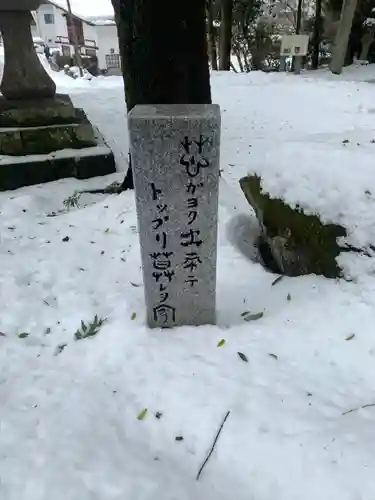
<point>175,159</point>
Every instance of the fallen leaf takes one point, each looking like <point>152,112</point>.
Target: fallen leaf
<point>254,317</point>
<point>243,357</point>
<point>107,230</point>
<point>277,280</point>
<point>179,438</point>
<point>221,343</point>
<point>132,284</point>
<point>47,331</point>
<point>274,356</point>
<point>350,337</point>
<point>245,313</point>
<point>141,415</point>
<point>60,348</point>
<point>158,415</point>
<point>66,238</point>
<point>23,335</point>
<point>289,297</point>
<point>133,316</point>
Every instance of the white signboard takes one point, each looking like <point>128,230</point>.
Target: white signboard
<point>294,45</point>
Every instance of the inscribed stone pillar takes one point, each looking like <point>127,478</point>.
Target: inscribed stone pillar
<point>24,76</point>
<point>175,159</point>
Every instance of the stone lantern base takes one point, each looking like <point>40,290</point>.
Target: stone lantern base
<point>48,139</point>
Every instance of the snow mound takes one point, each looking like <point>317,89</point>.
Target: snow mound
<point>336,183</point>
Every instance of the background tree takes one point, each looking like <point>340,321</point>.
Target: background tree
<point>318,28</point>
<point>244,32</point>
<point>163,52</point>
<point>342,36</point>
<point>211,31</point>
<point>226,34</point>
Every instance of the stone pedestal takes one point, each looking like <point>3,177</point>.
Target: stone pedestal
<point>42,136</point>
<point>175,160</point>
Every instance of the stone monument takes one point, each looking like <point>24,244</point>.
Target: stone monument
<point>175,159</point>
<point>42,136</point>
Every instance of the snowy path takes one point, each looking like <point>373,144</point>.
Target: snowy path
<point>68,422</point>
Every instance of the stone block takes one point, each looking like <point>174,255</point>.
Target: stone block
<point>16,172</point>
<point>43,140</point>
<point>37,112</point>
<point>175,159</point>
<point>11,142</point>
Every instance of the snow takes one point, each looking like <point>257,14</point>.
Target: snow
<point>68,421</point>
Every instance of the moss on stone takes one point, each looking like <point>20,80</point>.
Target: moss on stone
<point>300,243</point>
<point>11,143</point>
<point>43,140</point>
<point>34,116</point>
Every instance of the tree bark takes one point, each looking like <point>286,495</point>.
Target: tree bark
<point>163,51</point>
<point>298,30</point>
<point>211,35</point>
<point>226,34</point>
<point>367,40</point>
<point>342,36</point>
<point>317,34</point>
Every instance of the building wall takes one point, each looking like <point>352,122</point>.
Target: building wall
<point>49,32</point>
<point>108,44</point>
<point>105,36</point>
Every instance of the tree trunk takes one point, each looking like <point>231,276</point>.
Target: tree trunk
<point>299,17</point>
<point>342,36</point>
<point>317,34</point>
<point>226,34</point>
<point>163,54</point>
<point>211,35</point>
<point>367,40</point>
<point>239,61</point>
<point>298,30</point>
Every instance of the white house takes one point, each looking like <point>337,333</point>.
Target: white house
<point>108,46</point>
<point>95,37</point>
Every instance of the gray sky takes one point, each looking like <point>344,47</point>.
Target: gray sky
<point>89,7</point>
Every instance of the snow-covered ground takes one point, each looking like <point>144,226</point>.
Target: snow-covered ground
<point>69,426</point>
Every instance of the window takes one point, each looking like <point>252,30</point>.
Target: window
<point>113,61</point>
<point>65,50</point>
<point>49,19</point>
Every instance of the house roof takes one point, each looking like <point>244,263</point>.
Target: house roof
<point>58,6</point>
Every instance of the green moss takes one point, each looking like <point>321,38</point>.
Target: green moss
<point>33,116</point>
<point>11,143</point>
<point>305,235</point>
<point>43,140</point>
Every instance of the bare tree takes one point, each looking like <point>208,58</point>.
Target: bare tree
<point>317,34</point>
<point>211,35</point>
<point>342,36</point>
<point>226,34</point>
